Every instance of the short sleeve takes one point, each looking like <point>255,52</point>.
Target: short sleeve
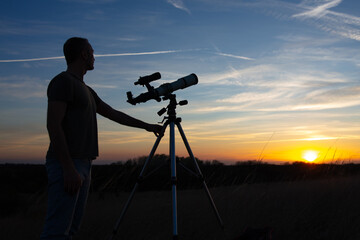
<point>95,96</point>
<point>60,89</point>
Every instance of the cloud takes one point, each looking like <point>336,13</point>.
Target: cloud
<point>235,56</point>
<point>280,87</point>
<point>179,4</point>
<point>128,39</point>
<point>304,76</point>
<point>253,97</point>
<point>330,98</point>
<point>22,87</point>
<point>220,53</point>
<point>341,24</point>
<point>318,11</point>
<point>103,86</point>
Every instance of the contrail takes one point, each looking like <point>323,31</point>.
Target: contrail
<point>30,59</point>
<point>95,55</point>
<point>235,56</point>
<point>136,54</point>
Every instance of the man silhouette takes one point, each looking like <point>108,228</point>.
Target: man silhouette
<point>72,128</point>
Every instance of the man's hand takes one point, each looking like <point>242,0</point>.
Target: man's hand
<point>72,181</point>
<point>155,128</point>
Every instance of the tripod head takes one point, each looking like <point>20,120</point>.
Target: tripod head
<point>171,107</point>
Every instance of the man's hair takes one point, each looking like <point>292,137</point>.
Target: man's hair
<point>73,48</point>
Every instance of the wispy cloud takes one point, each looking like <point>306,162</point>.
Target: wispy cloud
<point>279,87</point>
<point>341,24</point>
<point>318,11</point>
<point>179,4</point>
<point>220,53</point>
<point>128,39</point>
<point>235,56</point>
<point>103,86</point>
<point>322,11</point>
<point>22,87</point>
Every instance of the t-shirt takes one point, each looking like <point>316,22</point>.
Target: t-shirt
<point>79,123</point>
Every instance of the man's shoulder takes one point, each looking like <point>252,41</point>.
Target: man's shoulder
<point>62,75</point>
<point>62,79</point>
<point>60,87</point>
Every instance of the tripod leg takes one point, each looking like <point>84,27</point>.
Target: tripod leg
<point>127,204</point>
<point>173,179</point>
<point>199,172</point>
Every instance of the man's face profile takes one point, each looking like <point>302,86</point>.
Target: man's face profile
<point>89,57</point>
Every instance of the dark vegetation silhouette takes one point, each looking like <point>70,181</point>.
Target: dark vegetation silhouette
<point>121,176</point>
<point>297,200</point>
<point>17,180</point>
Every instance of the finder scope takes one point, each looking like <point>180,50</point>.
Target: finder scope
<point>147,79</point>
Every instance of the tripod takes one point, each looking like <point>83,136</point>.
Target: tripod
<point>171,120</point>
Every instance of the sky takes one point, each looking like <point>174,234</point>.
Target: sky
<point>279,80</point>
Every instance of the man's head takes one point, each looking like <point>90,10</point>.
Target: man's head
<point>77,48</point>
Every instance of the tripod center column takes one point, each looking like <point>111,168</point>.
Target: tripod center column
<point>173,178</point>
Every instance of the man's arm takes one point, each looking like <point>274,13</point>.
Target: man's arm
<point>124,119</point>
<point>55,116</point>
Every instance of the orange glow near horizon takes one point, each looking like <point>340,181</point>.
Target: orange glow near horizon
<point>227,153</point>
<point>127,144</point>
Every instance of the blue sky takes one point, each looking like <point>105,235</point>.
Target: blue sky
<point>275,77</point>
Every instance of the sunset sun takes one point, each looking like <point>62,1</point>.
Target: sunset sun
<point>310,155</point>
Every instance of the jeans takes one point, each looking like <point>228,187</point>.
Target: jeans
<point>65,211</point>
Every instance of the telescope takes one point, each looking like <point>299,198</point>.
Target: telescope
<point>163,90</point>
<point>171,120</point>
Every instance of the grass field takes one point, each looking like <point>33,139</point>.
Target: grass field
<point>307,210</point>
